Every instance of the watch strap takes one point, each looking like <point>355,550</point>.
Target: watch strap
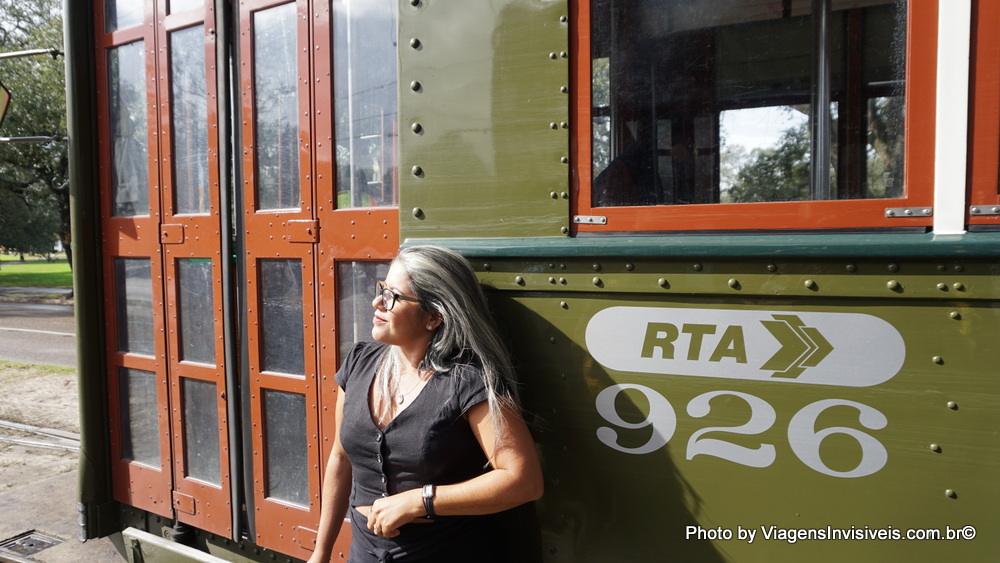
<point>428,496</point>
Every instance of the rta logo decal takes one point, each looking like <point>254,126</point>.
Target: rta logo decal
<point>842,349</point>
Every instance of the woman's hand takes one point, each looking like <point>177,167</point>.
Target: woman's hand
<point>386,515</point>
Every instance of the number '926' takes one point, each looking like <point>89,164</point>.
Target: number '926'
<point>803,436</point>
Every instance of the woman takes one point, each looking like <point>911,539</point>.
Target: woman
<point>430,439</point>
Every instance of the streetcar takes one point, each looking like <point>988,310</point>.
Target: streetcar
<point>745,253</point>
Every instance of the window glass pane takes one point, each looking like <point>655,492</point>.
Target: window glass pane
<point>276,108</point>
<point>365,102</point>
<point>177,6</point>
<point>127,86</point>
<point>140,429</point>
<point>201,430</point>
<point>196,310</point>
<point>285,439</point>
<point>355,291</point>
<point>119,14</point>
<point>709,101</point>
<point>283,347</point>
<point>189,120</point>
<point>134,294</point>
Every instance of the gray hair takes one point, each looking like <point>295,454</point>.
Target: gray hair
<point>446,284</point>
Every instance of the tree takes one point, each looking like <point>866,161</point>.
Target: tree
<point>34,191</point>
<point>780,173</point>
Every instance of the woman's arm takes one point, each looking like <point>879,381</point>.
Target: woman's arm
<point>336,492</point>
<point>516,478</point>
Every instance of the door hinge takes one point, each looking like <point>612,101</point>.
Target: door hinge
<point>906,212</point>
<point>984,210</point>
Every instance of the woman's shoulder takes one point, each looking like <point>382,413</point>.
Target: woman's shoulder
<point>361,357</point>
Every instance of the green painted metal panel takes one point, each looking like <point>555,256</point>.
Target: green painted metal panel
<point>483,102</point>
<point>863,416</point>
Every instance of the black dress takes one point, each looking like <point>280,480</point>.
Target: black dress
<point>429,442</point>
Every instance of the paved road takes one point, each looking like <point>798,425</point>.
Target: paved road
<point>37,334</point>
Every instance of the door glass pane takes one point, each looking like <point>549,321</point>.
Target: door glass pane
<point>282,333</point>
<point>119,14</point>
<point>355,291</point>
<point>726,101</point>
<point>276,108</point>
<point>196,310</point>
<point>189,120</point>
<point>134,307</point>
<point>127,86</point>
<point>138,406</point>
<point>285,439</point>
<point>365,102</point>
<point>177,6</point>
<point>201,430</point>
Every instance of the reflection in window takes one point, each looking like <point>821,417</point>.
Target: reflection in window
<point>119,14</point>
<point>140,428</point>
<point>134,305</point>
<point>196,310</point>
<point>276,108</point>
<point>732,109</point>
<point>189,120</point>
<point>283,346</point>
<point>201,430</point>
<point>285,440</point>
<point>355,291</point>
<point>365,102</point>
<point>127,87</point>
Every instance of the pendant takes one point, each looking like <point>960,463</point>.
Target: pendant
<point>399,399</point>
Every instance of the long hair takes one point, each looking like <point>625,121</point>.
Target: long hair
<point>445,283</point>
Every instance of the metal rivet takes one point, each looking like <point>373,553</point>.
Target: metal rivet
<point>950,493</point>
<point>662,282</point>
<point>416,127</point>
<point>890,213</point>
<point>942,286</point>
<point>958,286</point>
<point>553,56</point>
<point>953,405</point>
<point>562,281</point>
<point>564,304</point>
<point>414,2</point>
<point>552,280</point>
<point>519,280</point>
<point>553,195</point>
<point>552,339</point>
<point>935,448</point>
<point>417,171</point>
<point>415,86</point>
<point>415,43</point>
<point>937,360</point>
<point>598,282</point>
<point>564,230</point>
<point>955,315</point>
<point>418,213</point>
<point>852,268</point>
<point>564,195</point>
<point>698,267</point>
<point>941,267</point>
<point>959,268</point>
<point>893,267</point>
<point>564,125</point>
<point>629,267</point>
<point>553,125</point>
<point>810,284</point>
<point>564,159</point>
<point>564,54</point>
<point>892,284</point>
<point>734,283</point>
<point>487,267</point>
<point>597,267</point>
<point>772,268</point>
<point>563,19</point>
<point>564,89</point>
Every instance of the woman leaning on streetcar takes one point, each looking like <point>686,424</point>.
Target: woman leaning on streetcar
<point>431,444</point>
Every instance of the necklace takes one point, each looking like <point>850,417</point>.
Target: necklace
<point>400,397</point>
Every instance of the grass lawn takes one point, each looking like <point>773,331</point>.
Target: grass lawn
<point>38,273</point>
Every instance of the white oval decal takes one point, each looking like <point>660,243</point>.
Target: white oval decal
<point>844,349</point>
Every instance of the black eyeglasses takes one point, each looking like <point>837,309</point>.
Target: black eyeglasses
<point>389,297</point>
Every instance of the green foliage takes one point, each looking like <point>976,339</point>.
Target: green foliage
<point>776,174</point>
<point>34,194</point>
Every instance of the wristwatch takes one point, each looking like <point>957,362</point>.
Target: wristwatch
<point>428,496</point>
